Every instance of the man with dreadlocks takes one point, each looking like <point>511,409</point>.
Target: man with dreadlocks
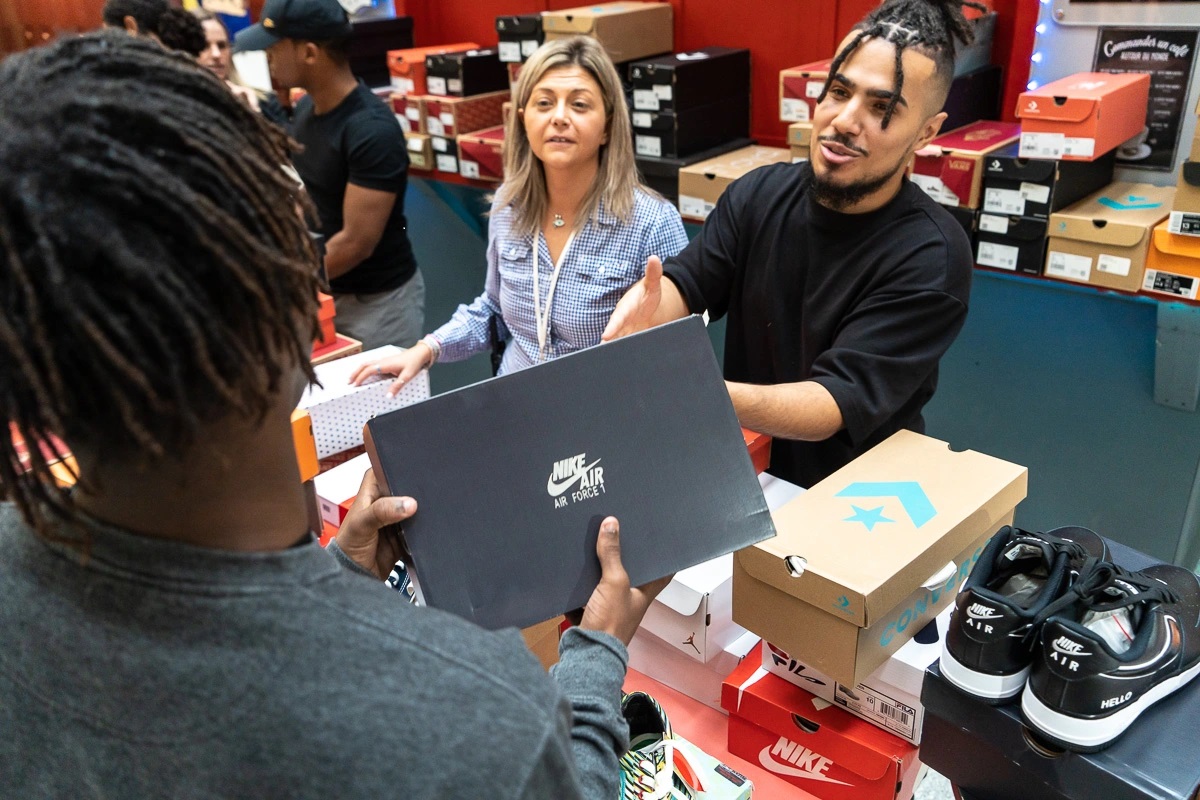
<point>135,17</point>
<point>843,283</point>
<point>355,167</point>
<point>170,628</point>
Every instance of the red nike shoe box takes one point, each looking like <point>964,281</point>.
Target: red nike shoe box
<point>811,743</point>
<point>989,751</point>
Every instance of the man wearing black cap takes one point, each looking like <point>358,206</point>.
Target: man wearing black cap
<point>355,167</point>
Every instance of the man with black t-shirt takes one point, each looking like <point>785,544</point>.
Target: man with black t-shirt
<point>843,283</point>
<point>354,167</point>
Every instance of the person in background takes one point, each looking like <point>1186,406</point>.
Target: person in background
<point>179,30</point>
<point>135,17</point>
<point>217,57</point>
<point>354,166</point>
<point>171,627</point>
<point>571,226</point>
<point>843,282</point>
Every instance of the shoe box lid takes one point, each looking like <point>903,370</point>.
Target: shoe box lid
<point>861,542</point>
<point>987,751</point>
<point>810,742</point>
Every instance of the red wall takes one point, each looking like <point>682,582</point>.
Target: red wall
<point>779,33</point>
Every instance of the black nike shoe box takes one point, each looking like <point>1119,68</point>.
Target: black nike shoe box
<point>1035,187</point>
<point>974,96</point>
<point>1013,244</point>
<point>662,174</point>
<point>686,80</point>
<point>519,36</point>
<point>514,475</point>
<point>465,73</point>
<point>672,134</point>
<point>990,753</point>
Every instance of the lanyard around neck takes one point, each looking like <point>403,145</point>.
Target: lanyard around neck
<point>543,320</point>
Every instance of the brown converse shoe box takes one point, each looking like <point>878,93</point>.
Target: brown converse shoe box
<point>627,30</point>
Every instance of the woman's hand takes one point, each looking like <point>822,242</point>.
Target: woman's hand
<point>404,366</point>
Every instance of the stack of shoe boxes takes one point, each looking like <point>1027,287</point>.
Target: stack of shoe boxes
<point>687,108</point>
<point>1019,195</point>
<point>1173,265</point>
<point>466,93</point>
<point>407,70</point>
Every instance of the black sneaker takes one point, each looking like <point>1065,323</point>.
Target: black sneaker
<point>988,647</point>
<point>1115,645</point>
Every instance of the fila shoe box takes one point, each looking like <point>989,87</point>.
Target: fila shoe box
<point>1083,116</point>
<point>481,154</point>
<point>865,558</point>
<point>1173,264</point>
<point>1103,239</point>
<point>519,36</point>
<point>1037,187</point>
<point>1015,244</point>
<point>465,73</point>
<point>627,31</point>
<point>687,80</point>
<point>950,169</point>
<point>891,697</point>
<point>407,67</point>
<point>812,743</point>
<point>688,131</point>
<point>662,174</point>
<point>701,185</point>
<point>990,754</point>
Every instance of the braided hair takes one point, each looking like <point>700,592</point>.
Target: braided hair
<point>930,27</point>
<point>155,275</point>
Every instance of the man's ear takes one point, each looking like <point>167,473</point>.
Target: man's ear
<point>311,52</point>
<point>130,25</point>
<point>932,127</point>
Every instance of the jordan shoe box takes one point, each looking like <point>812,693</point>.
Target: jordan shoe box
<point>990,753</point>
<point>811,743</point>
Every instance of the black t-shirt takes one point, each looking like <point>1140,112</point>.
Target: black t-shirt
<point>358,142</point>
<point>864,304</point>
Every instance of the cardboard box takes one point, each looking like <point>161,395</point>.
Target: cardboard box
<point>1016,244</point>
<point>542,640</point>
<point>866,557</point>
<point>799,134</point>
<point>701,184</point>
<point>1037,187</point>
<point>412,107</point>
<point>799,88</point>
<point>759,447</point>
<point>628,30</point>
<point>1172,264</point>
<point>1103,239</point>
<point>519,36</point>
<point>950,169</point>
<point>465,73</point>
<point>420,150</point>
<point>451,117</point>
<point>700,681</point>
<point>974,96</point>
<point>445,154</point>
<point>339,410</point>
<point>481,154</point>
<point>811,743</point>
<point>336,488</point>
<point>673,134</point>
<point>1155,758</point>
<point>890,698</point>
<point>687,80</point>
<point>1082,116</point>
<point>662,174</point>
<point>1185,211</point>
<point>407,67</point>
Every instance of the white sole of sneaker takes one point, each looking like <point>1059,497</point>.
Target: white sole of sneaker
<point>994,688</point>
<point>1094,734</point>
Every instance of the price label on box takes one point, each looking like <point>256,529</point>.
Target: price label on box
<point>1042,145</point>
<point>436,85</point>
<point>447,163</point>
<point>1000,256</point>
<point>1114,265</point>
<point>649,146</point>
<point>793,110</point>
<point>468,169</point>
<point>645,100</point>
<point>990,223</point>
<point>510,52</point>
<point>1009,202</point>
<point>1067,265</point>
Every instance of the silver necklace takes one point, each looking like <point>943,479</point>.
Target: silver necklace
<point>559,221</point>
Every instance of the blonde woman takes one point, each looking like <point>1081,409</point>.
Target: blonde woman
<point>217,58</point>
<point>571,227</point>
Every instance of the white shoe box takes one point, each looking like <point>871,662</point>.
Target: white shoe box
<point>336,488</point>
<point>659,660</point>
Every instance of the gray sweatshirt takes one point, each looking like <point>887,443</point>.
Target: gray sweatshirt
<point>156,669</point>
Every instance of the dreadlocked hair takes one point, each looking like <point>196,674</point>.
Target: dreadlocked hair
<point>179,30</point>
<point>929,26</point>
<point>154,273</point>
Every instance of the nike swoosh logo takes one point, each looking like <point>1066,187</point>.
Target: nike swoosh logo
<point>984,616</point>
<point>555,489</point>
<point>768,763</point>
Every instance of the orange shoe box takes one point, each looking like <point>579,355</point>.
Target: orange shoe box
<point>799,88</point>
<point>481,154</point>
<point>954,176</point>
<point>325,315</point>
<point>1082,116</point>
<point>407,67</point>
<point>811,743</point>
<point>1172,264</point>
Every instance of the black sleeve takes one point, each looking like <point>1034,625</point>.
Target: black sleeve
<point>705,270</point>
<point>890,343</point>
<point>377,155</point>
<point>270,107</point>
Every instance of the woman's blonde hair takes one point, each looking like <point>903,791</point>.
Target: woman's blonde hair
<point>616,181</point>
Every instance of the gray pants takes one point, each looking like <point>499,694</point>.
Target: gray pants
<point>393,317</point>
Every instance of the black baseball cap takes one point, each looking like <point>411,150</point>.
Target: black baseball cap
<point>307,20</point>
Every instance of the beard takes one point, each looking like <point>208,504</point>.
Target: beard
<point>838,196</point>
